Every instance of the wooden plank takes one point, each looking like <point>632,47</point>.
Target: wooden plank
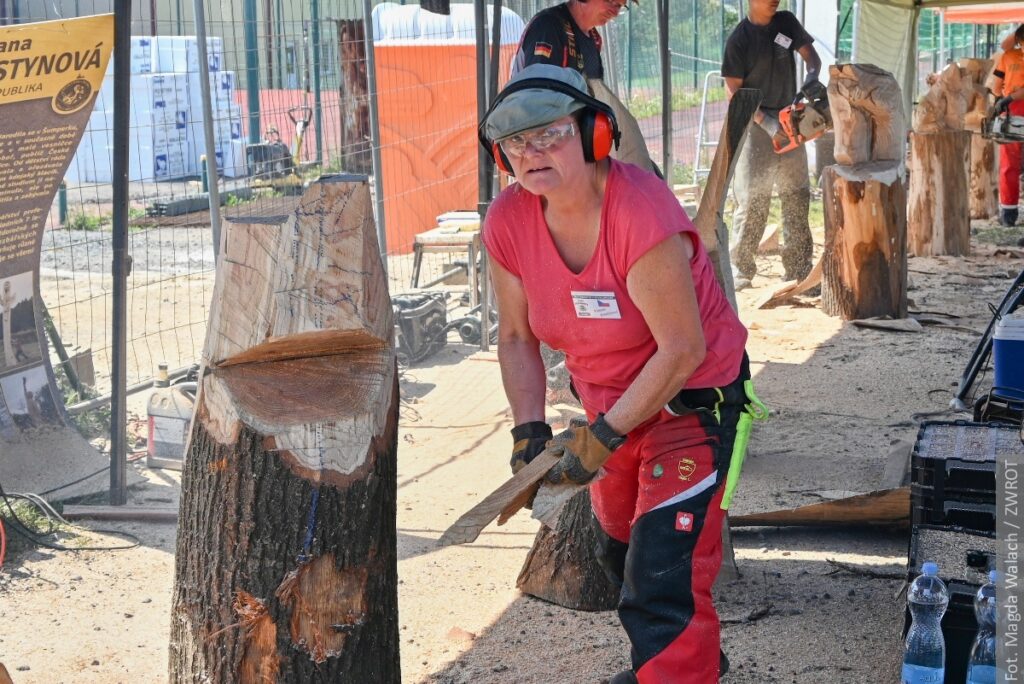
<point>882,507</point>
<point>138,513</point>
<point>515,492</point>
<point>709,221</point>
<point>742,107</point>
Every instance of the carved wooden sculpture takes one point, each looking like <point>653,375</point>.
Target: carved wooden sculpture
<point>864,267</point>
<point>983,173</point>
<point>286,557</point>
<point>938,218</point>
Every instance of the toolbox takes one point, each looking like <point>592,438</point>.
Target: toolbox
<point>953,472</point>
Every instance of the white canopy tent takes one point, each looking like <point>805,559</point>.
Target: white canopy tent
<point>885,34</point>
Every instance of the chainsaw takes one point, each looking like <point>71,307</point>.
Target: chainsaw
<point>807,118</point>
<point>1003,128</point>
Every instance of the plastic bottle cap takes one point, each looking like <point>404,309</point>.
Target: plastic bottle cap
<point>930,568</point>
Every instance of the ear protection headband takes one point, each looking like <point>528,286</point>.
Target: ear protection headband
<point>598,129</point>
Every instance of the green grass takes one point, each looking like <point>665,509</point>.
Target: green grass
<point>1000,236</point>
<point>91,424</point>
<point>644,105</point>
<point>81,221</point>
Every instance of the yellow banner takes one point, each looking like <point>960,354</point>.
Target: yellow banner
<point>62,61</point>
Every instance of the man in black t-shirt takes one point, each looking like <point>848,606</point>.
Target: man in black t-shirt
<point>759,54</point>
<point>566,35</point>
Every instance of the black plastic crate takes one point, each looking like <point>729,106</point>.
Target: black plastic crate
<point>963,556</point>
<point>953,472</point>
<point>931,508</point>
<point>964,559</point>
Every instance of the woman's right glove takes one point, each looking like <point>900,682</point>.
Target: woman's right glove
<point>1003,104</point>
<point>584,449</point>
<point>529,440</point>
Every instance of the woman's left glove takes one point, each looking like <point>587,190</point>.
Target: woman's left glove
<point>584,448</point>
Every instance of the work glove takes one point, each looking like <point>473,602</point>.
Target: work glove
<point>529,439</point>
<point>813,89</point>
<point>584,449</point>
<point>770,124</point>
<point>1003,104</point>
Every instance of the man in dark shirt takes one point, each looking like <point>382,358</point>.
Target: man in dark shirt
<point>566,35</point>
<point>759,54</point>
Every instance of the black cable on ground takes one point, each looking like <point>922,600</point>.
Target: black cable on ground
<point>69,484</point>
<point>54,519</point>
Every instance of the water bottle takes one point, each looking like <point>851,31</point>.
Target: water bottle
<point>981,668</point>
<point>924,655</point>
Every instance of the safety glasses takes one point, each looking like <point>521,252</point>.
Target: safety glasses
<point>550,137</point>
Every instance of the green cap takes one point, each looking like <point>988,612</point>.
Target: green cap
<point>533,107</point>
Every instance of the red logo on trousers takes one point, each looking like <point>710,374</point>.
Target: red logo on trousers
<point>684,522</point>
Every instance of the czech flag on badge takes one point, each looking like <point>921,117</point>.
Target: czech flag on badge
<point>542,50</point>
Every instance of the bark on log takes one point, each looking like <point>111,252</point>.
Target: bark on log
<point>864,267</point>
<point>867,109</point>
<point>286,553</point>
<point>560,567</point>
<point>938,216</point>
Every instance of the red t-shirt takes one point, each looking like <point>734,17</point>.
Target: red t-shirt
<point>604,355</point>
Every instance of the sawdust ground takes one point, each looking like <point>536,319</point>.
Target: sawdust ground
<point>841,396</point>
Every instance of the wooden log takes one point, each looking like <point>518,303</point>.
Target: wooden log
<point>560,567</point>
<point>286,552</point>
<point>867,111</point>
<point>864,267</point>
<point>938,216</point>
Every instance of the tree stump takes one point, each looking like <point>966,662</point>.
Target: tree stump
<point>286,554</point>
<point>864,267</point>
<point>561,567</point>
<point>938,217</point>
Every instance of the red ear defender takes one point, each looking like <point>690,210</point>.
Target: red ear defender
<point>604,136</point>
<point>500,160</point>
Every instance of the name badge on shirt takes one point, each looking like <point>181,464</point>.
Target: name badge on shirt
<point>784,41</point>
<point>595,305</point>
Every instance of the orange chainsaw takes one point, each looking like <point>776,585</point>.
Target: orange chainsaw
<point>804,120</point>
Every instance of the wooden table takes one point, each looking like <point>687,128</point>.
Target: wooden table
<point>449,237</point>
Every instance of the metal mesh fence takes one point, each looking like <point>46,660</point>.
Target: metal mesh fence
<point>291,96</point>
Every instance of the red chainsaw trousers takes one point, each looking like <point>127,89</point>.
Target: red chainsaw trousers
<point>1009,166</point>
<point>658,508</point>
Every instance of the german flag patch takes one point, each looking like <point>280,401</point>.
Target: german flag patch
<point>542,50</point>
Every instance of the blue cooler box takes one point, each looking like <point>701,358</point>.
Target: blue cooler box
<point>1008,357</point>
